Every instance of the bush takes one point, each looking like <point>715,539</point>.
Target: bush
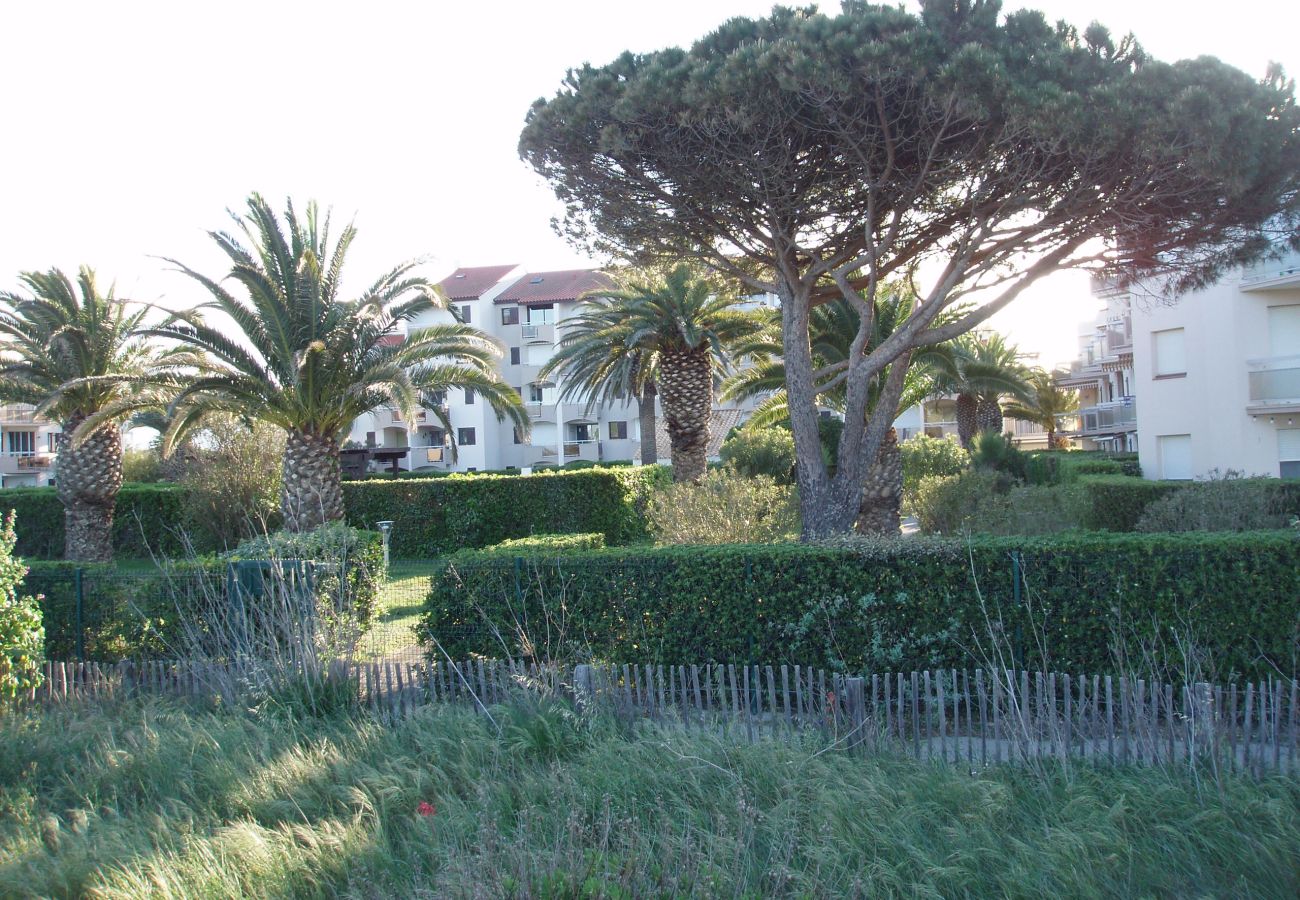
<point>928,457</point>
<point>951,504</point>
<point>553,543</point>
<point>435,516</point>
<point>725,507</point>
<point>984,502</point>
<point>150,519</point>
<point>1084,602</point>
<point>1229,502</point>
<point>233,483</point>
<point>761,451</point>
<point>1116,502</point>
<point>141,466</point>
<point>349,566</point>
<point>22,638</point>
<point>1066,466</point>
<point>994,452</point>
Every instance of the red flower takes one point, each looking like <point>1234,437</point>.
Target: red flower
<point>426,809</point>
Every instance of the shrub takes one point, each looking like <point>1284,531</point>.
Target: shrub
<point>441,515</point>
<point>724,507</point>
<point>150,519</point>
<point>141,466</point>
<point>982,502</point>
<point>951,504</point>
<point>1228,502</point>
<point>928,457</point>
<point>994,452</point>
<point>349,566</point>
<point>761,451</point>
<point>233,483</point>
<point>1116,502</point>
<point>553,542</point>
<point>22,639</point>
<point>1083,602</point>
<point>1066,466</point>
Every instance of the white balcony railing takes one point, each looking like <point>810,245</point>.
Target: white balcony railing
<point>1282,272</point>
<point>1274,381</point>
<point>1118,415</point>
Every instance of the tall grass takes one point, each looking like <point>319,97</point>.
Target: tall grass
<point>158,799</point>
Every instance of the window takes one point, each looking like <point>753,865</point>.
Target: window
<point>469,396</point>
<point>618,431</point>
<point>370,439</point>
<point>1170,355</point>
<point>1175,451</point>
<point>514,356</point>
<point>541,315</point>
<point>22,442</point>
<point>465,437</point>
<point>1288,452</point>
<point>509,315</point>
<point>465,313</point>
<point>519,435</point>
<point>536,393</point>
<point>1284,330</point>
<point>582,432</point>
<point>538,354</point>
<point>52,442</point>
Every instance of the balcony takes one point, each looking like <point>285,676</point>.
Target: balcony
<point>1104,286</point>
<point>1274,384</point>
<point>20,414</point>
<point>18,463</point>
<point>1106,418</point>
<point>586,450</point>
<point>1273,274</point>
<point>540,411</point>
<point>539,333</point>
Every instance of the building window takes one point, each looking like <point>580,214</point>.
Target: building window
<point>22,442</point>
<point>1175,451</point>
<point>469,396</point>
<point>465,437</point>
<point>618,431</point>
<point>370,439</point>
<point>541,315</point>
<point>509,315</point>
<point>519,435</point>
<point>465,313</point>
<point>535,393</point>
<point>514,356</point>
<point>1170,354</point>
<point>1284,330</point>
<point>1288,452</point>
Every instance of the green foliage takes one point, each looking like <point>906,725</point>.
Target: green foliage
<point>150,520</point>
<point>1087,602</point>
<point>1227,503</point>
<point>349,564</point>
<point>1066,466</point>
<point>141,466</point>
<point>1116,502</point>
<point>553,542</point>
<point>925,456</point>
<point>441,515</point>
<point>724,507</point>
<point>761,451</point>
<point>22,638</point>
<point>233,482</point>
<point>993,452</point>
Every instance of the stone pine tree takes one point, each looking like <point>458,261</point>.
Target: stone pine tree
<point>820,156</point>
<point>302,357</point>
<point>83,358</point>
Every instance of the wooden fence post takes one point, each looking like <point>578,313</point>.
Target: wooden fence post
<point>584,688</point>
<point>855,695</point>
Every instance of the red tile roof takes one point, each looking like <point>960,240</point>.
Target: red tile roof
<point>469,283</point>
<point>391,340</point>
<point>553,287</point>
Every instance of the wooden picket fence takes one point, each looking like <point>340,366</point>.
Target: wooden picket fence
<point>976,717</point>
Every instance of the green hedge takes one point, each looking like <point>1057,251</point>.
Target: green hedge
<point>1065,466</point>
<point>888,605</point>
<point>441,515</point>
<point>149,518</point>
<point>552,543</point>
<point>1116,502</point>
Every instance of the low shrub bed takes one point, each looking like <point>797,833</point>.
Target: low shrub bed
<point>1075,602</point>
<point>552,543</point>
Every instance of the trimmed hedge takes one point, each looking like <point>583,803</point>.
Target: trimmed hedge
<point>1064,466</point>
<point>552,543</point>
<point>892,605</point>
<point>1116,502</point>
<point>149,518</point>
<point>441,515</point>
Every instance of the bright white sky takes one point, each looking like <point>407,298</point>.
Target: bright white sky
<point>129,127</point>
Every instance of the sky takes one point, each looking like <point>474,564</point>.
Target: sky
<point>131,127</point>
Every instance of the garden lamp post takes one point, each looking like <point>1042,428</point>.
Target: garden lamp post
<point>385,529</point>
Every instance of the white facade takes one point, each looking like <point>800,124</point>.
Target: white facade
<point>1218,374</point>
<point>28,445</point>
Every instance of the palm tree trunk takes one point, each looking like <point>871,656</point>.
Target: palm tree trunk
<point>882,490</point>
<point>686,386</point>
<point>988,415</point>
<point>648,422</point>
<point>967,422</point>
<point>87,478</point>
<point>312,493</point>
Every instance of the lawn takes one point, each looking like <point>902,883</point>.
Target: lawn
<point>154,798</point>
<point>398,610</point>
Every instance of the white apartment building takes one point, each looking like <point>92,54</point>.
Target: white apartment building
<point>1218,374</point>
<point>1103,376</point>
<point>28,444</point>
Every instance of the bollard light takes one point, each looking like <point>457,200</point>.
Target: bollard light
<point>385,529</point>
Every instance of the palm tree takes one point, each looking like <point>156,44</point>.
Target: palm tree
<point>84,360</point>
<point>832,331</point>
<point>1046,404</point>
<point>311,362</point>
<point>983,368</point>
<point>599,365</point>
<point>682,325</point>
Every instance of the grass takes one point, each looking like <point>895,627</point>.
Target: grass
<point>398,609</point>
<point>153,798</point>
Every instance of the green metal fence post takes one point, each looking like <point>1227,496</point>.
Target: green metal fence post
<point>81,631</point>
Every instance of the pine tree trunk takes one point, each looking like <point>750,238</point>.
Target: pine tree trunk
<point>686,387</point>
<point>88,477</point>
<point>967,421</point>
<point>313,481</point>
<point>988,415</point>
<point>882,490</point>
<point>648,419</point>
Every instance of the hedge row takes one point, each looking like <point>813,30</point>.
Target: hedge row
<point>435,516</point>
<point>1083,602</point>
<point>149,518</point>
<point>1116,502</point>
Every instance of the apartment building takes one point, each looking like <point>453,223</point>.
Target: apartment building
<point>28,445</point>
<point>1103,376</point>
<point>1218,373</point>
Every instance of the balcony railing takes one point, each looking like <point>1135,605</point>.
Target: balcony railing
<point>1271,273</point>
<point>1119,415</point>
<point>1274,381</point>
